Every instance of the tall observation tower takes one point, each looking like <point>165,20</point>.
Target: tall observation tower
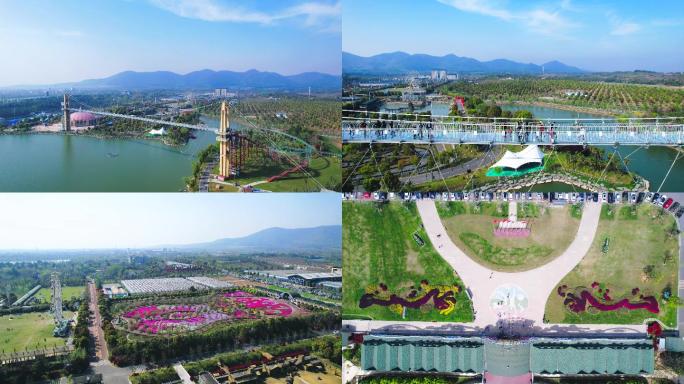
<point>66,118</point>
<point>56,302</point>
<point>233,147</point>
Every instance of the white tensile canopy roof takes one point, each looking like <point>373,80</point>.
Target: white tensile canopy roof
<point>514,160</point>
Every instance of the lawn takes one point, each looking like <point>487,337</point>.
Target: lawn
<point>28,332</point>
<point>326,170</point>
<point>470,227</point>
<point>628,252</point>
<point>379,248</point>
<point>45,294</point>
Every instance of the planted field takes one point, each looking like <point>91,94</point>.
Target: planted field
<point>628,273</point>
<point>615,97</point>
<point>29,332</point>
<point>471,228</point>
<point>164,318</point>
<point>392,272</point>
<point>68,293</point>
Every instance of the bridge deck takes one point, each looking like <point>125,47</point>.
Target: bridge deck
<point>560,132</point>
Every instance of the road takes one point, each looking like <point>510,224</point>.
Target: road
<point>111,374</point>
<point>488,158</point>
<point>95,325</point>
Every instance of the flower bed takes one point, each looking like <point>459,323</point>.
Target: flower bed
<point>599,298</point>
<point>231,306</point>
<point>443,297</point>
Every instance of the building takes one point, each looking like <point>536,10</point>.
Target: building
<point>83,119</point>
<point>438,75</point>
<point>530,159</point>
<point>206,378</point>
<point>157,132</point>
<point>333,285</point>
<point>223,92</point>
<point>314,278</point>
<point>114,291</point>
<point>510,361</point>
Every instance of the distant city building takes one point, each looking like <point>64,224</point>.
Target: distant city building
<point>438,75</point>
<point>452,77</point>
<point>223,92</point>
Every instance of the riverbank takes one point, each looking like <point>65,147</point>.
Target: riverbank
<point>565,107</point>
<point>97,135</point>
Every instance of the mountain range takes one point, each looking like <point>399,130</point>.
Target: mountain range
<point>402,62</point>
<point>276,239</point>
<point>210,79</point>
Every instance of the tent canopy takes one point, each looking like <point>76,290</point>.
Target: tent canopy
<point>514,160</point>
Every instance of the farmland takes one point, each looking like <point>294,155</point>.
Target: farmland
<point>615,98</point>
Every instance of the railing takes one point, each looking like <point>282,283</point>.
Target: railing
<point>369,127</point>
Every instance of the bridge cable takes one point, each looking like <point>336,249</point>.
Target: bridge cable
<point>538,175</point>
<point>439,169</point>
<point>600,177</point>
<point>415,169</point>
<point>377,166</point>
<point>356,166</point>
<point>679,152</point>
<point>634,151</point>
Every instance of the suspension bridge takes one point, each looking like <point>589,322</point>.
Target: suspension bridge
<point>374,127</point>
<point>236,146</point>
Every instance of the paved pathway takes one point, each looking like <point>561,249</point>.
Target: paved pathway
<point>537,284</point>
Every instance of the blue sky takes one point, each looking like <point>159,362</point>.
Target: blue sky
<point>605,35</point>
<point>120,220</point>
<point>46,42</point>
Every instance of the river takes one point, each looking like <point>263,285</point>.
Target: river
<point>651,163</point>
<point>71,163</point>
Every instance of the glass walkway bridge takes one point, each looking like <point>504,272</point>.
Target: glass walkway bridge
<point>371,127</point>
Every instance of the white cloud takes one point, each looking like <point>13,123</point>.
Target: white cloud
<point>319,15</point>
<point>537,20</point>
<point>621,27</point>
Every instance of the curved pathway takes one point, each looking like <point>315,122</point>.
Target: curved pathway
<point>536,283</point>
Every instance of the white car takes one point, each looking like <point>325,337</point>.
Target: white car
<point>648,197</point>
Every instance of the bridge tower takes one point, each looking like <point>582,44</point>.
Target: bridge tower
<point>233,147</point>
<point>66,118</point>
<point>56,303</point>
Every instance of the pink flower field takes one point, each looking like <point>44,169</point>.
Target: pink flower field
<point>230,306</point>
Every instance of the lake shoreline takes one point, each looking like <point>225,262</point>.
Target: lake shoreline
<point>565,107</point>
<point>95,136</point>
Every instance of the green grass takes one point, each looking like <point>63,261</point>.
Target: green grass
<point>634,244</point>
<point>28,332</point>
<point>553,229</point>
<point>45,294</point>
<point>378,248</point>
<point>327,170</point>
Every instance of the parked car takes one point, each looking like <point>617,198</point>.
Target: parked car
<point>640,197</point>
<point>662,200</point>
<point>649,197</point>
<point>655,198</point>
<point>618,197</point>
<point>611,198</point>
<point>680,212</point>
<point>595,197</point>
<point>667,203</point>
<point>673,208</point>
<point>633,197</point>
